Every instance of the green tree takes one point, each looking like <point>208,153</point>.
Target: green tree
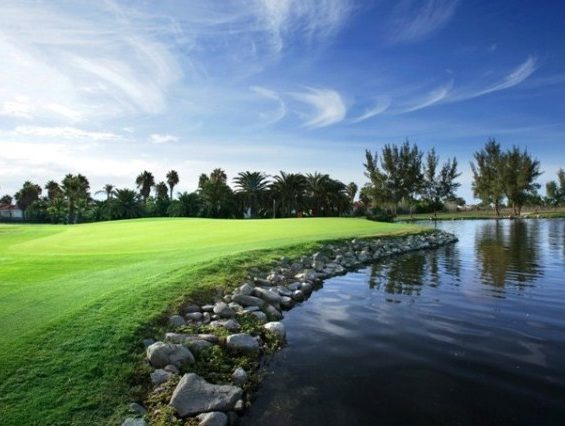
<point>53,190</point>
<point>172,181</point>
<point>317,192</point>
<point>125,205</point>
<point>488,175</point>
<point>288,190</point>
<point>439,187</point>
<point>26,196</point>
<point>76,191</point>
<point>6,199</point>
<point>186,205</point>
<point>555,191</point>
<point>520,173</point>
<point>108,190</point>
<point>217,197</point>
<point>351,190</point>
<point>145,181</point>
<point>253,188</point>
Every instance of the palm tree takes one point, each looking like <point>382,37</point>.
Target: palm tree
<point>317,191</point>
<point>172,181</point>
<point>108,189</point>
<point>26,196</point>
<point>351,190</point>
<point>161,191</point>
<point>126,205</point>
<point>144,183</point>
<point>53,190</point>
<point>253,187</point>
<point>218,175</point>
<point>76,191</point>
<point>289,189</point>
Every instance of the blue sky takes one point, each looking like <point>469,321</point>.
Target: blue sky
<point>111,88</point>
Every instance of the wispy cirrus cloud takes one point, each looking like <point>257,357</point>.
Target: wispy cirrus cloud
<point>413,21</point>
<point>382,104</point>
<point>281,110</point>
<point>64,133</point>
<point>326,104</point>
<point>433,97</point>
<point>162,138</point>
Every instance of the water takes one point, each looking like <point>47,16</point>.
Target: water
<point>470,334</point>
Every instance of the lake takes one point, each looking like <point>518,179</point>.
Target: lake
<point>469,334</point>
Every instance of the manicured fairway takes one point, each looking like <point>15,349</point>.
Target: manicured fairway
<point>74,299</point>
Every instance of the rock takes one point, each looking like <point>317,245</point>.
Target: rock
<point>239,406</point>
<point>206,317</point>
<point>248,300</point>
<point>192,308</point>
<point>243,343</point>
<point>148,342</point>
<point>236,307</point>
<point>160,354</point>
<point>273,313</point>
<point>267,295</point>
<point>231,325</point>
<point>194,395</point>
<point>283,291</point>
<point>223,310</point>
<point>318,265</point>
<point>173,369</point>
<point>287,302</point>
<point>239,376</point>
<point>160,376</point>
<point>261,316</point>
<point>251,309</point>
<point>246,289</point>
<point>306,288</point>
<point>215,418</point>
<point>198,345</point>
<point>298,295</point>
<point>294,286</point>
<point>306,275</point>
<point>176,321</point>
<point>277,328</point>
<point>208,308</point>
<point>194,316</point>
<point>132,421</point>
<point>138,409</point>
<point>263,282</point>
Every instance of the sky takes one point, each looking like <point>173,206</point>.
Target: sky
<point>111,88</point>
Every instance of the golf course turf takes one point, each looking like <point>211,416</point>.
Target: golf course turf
<point>75,300</point>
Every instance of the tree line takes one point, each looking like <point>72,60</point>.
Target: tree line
<point>255,195</point>
<point>402,178</point>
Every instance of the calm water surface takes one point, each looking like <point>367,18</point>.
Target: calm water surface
<point>470,334</point>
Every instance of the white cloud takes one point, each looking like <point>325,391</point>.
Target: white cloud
<point>514,78</point>
<point>435,96</point>
<point>416,20</point>
<point>380,106</point>
<point>327,105</point>
<point>162,138</point>
<point>281,109</point>
<point>64,132</point>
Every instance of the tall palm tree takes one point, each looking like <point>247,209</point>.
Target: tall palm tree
<point>108,189</point>
<point>218,175</point>
<point>76,190</point>
<point>351,190</point>
<point>289,188</point>
<point>253,187</point>
<point>161,191</point>
<point>53,190</point>
<point>172,181</point>
<point>144,182</point>
<point>317,186</point>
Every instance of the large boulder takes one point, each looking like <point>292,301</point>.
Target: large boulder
<point>267,295</point>
<point>161,354</point>
<point>277,328</point>
<point>194,395</point>
<point>223,310</point>
<point>248,300</point>
<point>243,343</point>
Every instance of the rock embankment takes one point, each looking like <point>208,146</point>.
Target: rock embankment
<point>203,370</point>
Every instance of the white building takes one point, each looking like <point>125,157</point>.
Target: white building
<point>10,212</point>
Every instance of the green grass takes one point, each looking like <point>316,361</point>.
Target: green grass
<point>76,300</point>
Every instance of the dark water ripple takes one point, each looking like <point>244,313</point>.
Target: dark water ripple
<point>471,334</point>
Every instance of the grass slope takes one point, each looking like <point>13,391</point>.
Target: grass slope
<point>74,299</point>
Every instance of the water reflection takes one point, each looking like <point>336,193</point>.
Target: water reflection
<point>508,253</point>
<point>406,274</point>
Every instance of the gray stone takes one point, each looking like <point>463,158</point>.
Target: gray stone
<point>132,421</point>
<point>223,310</point>
<point>298,295</point>
<point>176,321</point>
<point>236,307</point>
<point>194,316</point>
<point>242,342</point>
<point>160,354</point>
<point>208,308</point>
<point>251,309</point>
<point>194,395</point>
<point>160,376</point>
<point>248,300</point>
<point>277,328</point>
<point>192,308</point>
<point>287,302</point>
<point>273,313</point>
<point>138,409</point>
<point>173,369</point>
<point>283,291</point>
<point>267,295</point>
<point>215,418</point>
<point>306,275</point>
<point>239,376</point>
<point>294,286</point>
<point>261,316</point>
<point>246,289</point>
<point>198,345</point>
<point>239,406</point>
<point>306,288</point>
<point>231,325</point>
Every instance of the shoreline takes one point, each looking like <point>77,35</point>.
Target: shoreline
<point>227,340</point>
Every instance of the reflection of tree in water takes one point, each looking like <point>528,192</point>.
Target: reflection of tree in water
<point>407,274</point>
<point>508,253</point>
<point>556,237</point>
